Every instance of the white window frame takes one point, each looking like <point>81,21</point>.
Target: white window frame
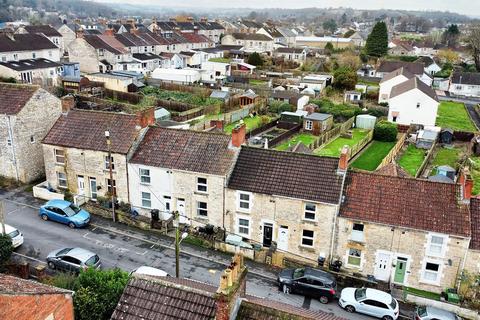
<point>424,271</point>
<point>201,185</point>
<point>249,201</point>
<point>357,235</point>
<point>144,174</point>
<point>56,155</point>
<point>144,199</point>
<point>308,125</point>
<point>203,210</point>
<point>60,179</point>
<point>249,227</point>
<point>107,163</point>
<point>312,238</point>
<point>305,211</point>
<point>349,255</point>
<point>443,247</point>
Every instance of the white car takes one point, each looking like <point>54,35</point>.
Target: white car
<point>373,302</point>
<point>149,271</point>
<point>17,236</point>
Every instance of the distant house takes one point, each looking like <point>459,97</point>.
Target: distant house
<point>71,70</point>
<point>53,35</point>
<point>390,80</point>
<point>273,33</point>
<point>417,68</point>
<point>352,96</point>
<point>251,42</point>
<point>285,96</point>
<point>68,33</point>
<point>357,39</point>
<point>321,42</point>
<point>28,112</point>
<point>401,48</point>
<point>291,54</point>
<point>465,84</point>
<point>15,47</point>
<point>38,71</point>
<point>366,71</point>
<point>413,102</point>
<point>431,67</point>
<point>316,123</point>
<point>28,299</point>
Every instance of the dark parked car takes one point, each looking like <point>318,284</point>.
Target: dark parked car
<point>311,282</point>
<point>73,260</point>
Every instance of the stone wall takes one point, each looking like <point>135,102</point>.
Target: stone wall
<point>406,243</point>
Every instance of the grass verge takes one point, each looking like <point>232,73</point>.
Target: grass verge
<point>454,115</point>
<point>334,148</point>
<point>304,138</point>
<point>412,159</point>
<point>373,155</point>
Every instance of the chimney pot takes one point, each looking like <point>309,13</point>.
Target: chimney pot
<point>68,103</point>
<point>343,161</point>
<point>228,273</point>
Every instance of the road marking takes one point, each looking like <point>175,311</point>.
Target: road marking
<point>85,235</point>
<point>142,254</point>
<point>21,204</point>
<point>28,257</point>
<point>8,213</point>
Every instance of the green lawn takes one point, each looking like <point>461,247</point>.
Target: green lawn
<point>334,148</point>
<point>254,82</point>
<point>454,115</point>
<point>412,159</point>
<point>373,155</point>
<point>304,138</point>
<point>222,60</point>
<point>250,122</point>
<point>446,157</point>
<point>475,172</point>
<point>423,293</point>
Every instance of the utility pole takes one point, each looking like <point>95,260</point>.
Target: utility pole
<point>110,168</point>
<point>2,217</point>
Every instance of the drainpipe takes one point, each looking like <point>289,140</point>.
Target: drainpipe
<point>10,135</point>
<point>463,264</point>
<point>337,212</point>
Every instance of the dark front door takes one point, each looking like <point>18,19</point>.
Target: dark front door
<point>267,234</point>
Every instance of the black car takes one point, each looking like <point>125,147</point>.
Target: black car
<point>310,282</point>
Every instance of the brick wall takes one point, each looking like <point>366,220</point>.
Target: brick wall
<point>37,307</point>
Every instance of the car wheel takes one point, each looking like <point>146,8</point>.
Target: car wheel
<point>387,318</point>
<point>286,289</point>
<point>51,265</point>
<point>71,225</point>
<point>350,309</point>
<point>44,217</point>
<point>324,299</point>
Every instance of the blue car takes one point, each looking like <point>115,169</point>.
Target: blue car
<point>64,212</point>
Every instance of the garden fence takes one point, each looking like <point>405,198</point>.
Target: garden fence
<point>425,161</point>
<point>188,115</point>
<point>263,128</point>
<point>132,98</point>
<point>361,144</point>
<point>393,152</point>
<point>284,136</point>
<point>332,134</point>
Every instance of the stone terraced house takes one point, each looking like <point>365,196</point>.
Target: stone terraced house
<point>181,170</point>
<point>76,151</point>
<point>407,231</point>
<point>288,198</point>
<point>472,263</point>
<point>27,113</point>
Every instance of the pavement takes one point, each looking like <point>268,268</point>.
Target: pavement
<point>128,248</point>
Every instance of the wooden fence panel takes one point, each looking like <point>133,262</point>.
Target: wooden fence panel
<point>263,128</point>
<point>284,136</point>
<point>394,152</point>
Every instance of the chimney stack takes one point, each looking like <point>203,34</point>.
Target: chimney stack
<point>231,290</point>
<point>309,108</point>
<point>146,117</point>
<point>109,32</point>
<point>239,134</point>
<point>217,124</point>
<point>466,184</point>
<point>68,103</point>
<point>80,34</point>
<point>343,161</point>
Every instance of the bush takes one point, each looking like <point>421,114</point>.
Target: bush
<point>6,249</point>
<point>279,107</point>
<point>345,78</point>
<point>385,131</point>
<point>340,112</point>
<point>255,59</point>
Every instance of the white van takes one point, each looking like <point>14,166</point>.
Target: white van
<point>17,236</point>
<point>149,271</point>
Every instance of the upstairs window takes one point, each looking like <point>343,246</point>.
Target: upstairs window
<point>307,238</point>
<point>59,156</point>
<point>144,176</point>
<point>310,211</point>
<point>202,209</point>
<point>146,200</point>
<point>244,201</point>
<point>357,232</point>
<point>202,184</point>
<point>436,245</point>
<point>107,163</point>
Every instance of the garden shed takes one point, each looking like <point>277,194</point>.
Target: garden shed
<point>365,121</point>
<point>318,122</point>
<point>427,137</point>
<point>446,136</point>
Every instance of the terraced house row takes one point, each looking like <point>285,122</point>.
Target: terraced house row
<point>412,232</point>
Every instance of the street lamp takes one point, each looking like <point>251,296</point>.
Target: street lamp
<point>110,169</point>
<point>178,239</point>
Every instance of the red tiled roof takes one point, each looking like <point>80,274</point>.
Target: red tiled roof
<point>13,97</point>
<point>84,129</point>
<point>475,212</point>
<point>14,285</point>
<point>288,174</point>
<point>409,203</point>
<point>194,37</point>
<point>196,151</point>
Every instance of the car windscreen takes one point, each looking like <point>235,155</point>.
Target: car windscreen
<point>298,273</point>
<point>71,210</point>
<point>63,251</point>
<point>422,311</point>
<point>14,233</point>
<point>92,260</point>
<point>393,304</point>
<point>360,294</point>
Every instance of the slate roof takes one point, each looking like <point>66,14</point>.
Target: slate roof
<point>162,298</point>
<point>410,85</point>
<point>286,174</point>
<point>25,42</point>
<point>30,64</point>
<point>409,203</point>
<point>97,42</point>
<point>400,71</point>
<point>13,97</point>
<point>145,56</point>
<point>318,116</point>
<point>84,129</point>
<point>251,36</point>
<point>189,150</point>
<point>290,50</point>
<point>475,212</point>
<point>44,29</point>
<point>14,286</point>
<point>389,66</point>
<point>471,78</point>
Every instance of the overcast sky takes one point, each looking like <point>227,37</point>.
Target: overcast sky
<point>469,7</point>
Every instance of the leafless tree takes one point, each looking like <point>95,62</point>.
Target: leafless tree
<point>473,40</point>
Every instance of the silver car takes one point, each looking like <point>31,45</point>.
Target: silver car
<point>73,260</point>
<point>432,313</point>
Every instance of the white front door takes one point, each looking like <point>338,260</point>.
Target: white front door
<point>282,238</point>
<point>81,185</point>
<point>181,211</point>
<point>93,188</point>
<point>383,265</point>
